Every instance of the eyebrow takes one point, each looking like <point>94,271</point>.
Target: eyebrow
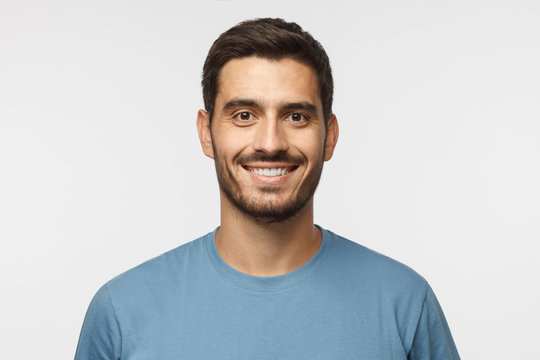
<point>239,102</point>
<point>304,105</point>
<point>236,103</point>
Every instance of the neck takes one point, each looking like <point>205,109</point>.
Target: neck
<point>266,249</point>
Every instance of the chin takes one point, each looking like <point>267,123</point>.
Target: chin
<point>269,211</point>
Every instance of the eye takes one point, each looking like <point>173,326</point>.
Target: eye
<point>244,116</point>
<point>296,117</point>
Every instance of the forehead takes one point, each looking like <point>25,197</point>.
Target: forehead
<point>274,81</point>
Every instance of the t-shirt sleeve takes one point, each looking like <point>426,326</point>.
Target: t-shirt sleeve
<point>432,340</point>
<point>100,335</point>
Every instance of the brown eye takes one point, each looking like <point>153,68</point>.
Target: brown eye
<point>296,117</point>
<point>244,115</point>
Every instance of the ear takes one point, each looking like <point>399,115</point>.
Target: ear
<point>205,135</point>
<point>332,134</point>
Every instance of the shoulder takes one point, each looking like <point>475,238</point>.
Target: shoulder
<point>158,271</point>
<point>392,290</point>
<point>368,265</point>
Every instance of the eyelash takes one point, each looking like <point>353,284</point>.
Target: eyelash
<point>303,116</point>
<point>237,116</point>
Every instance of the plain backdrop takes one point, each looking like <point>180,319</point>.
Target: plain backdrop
<point>437,166</point>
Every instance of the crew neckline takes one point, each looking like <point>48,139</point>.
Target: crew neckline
<point>268,283</point>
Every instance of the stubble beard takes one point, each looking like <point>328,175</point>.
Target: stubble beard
<point>266,211</point>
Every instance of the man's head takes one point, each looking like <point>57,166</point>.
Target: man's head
<point>266,124</point>
<point>271,39</point>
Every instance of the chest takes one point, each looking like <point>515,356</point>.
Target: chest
<point>313,324</point>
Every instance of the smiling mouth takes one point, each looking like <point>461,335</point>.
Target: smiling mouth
<point>270,171</point>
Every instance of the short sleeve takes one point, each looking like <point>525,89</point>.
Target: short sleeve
<point>100,337</point>
<point>432,340</point>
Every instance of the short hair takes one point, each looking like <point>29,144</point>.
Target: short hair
<point>268,38</point>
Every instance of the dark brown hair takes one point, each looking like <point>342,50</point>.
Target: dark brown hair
<point>272,39</point>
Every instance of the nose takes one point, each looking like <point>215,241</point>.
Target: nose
<point>270,137</point>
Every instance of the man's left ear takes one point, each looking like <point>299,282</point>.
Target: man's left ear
<point>332,134</point>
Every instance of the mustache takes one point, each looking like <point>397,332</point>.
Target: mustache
<point>281,157</point>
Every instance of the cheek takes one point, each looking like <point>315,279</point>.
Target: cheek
<point>228,146</point>
<point>311,145</point>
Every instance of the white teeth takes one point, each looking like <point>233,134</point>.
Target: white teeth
<point>269,172</point>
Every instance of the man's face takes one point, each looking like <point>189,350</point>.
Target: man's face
<point>268,136</point>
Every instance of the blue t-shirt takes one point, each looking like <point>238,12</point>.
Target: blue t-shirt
<point>346,302</point>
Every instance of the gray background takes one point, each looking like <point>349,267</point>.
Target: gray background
<point>437,163</point>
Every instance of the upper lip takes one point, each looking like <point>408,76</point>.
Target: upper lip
<point>269,165</point>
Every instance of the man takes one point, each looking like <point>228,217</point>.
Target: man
<point>268,283</point>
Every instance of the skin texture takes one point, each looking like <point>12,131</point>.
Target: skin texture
<point>267,114</point>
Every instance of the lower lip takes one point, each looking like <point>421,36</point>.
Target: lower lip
<point>270,180</point>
